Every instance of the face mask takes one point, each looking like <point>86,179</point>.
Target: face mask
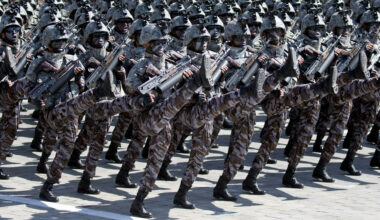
<point>374,30</point>
<point>98,40</point>
<point>254,29</point>
<point>344,31</point>
<point>314,33</point>
<point>215,32</point>
<point>157,47</point>
<point>58,46</point>
<point>180,33</point>
<point>274,37</point>
<point>201,44</point>
<point>12,34</point>
<point>122,26</point>
<point>164,26</point>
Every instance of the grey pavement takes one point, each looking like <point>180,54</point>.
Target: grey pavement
<point>350,197</point>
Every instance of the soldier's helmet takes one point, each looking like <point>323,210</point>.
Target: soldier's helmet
<point>143,11</point>
<point>370,16</point>
<point>95,26</point>
<point>375,4</point>
<point>151,32</point>
<point>224,9</point>
<point>136,26</point>
<point>47,19</point>
<point>84,18</point>
<point>9,19</point>
<point>195,31</point>
<point>359,7</point>
<point>48,9</point>
<point>340,19</point>
<point>54,32</point>
<point>312,20</point>
<point>120,14</point>
<point>272,22</point>
<point>176,9</point>
<point>160,4</point>
<point>213,20</point>
<point>194,11</point>
<point>253,18</point>
<point>160,14</point>
<point>236,28</point>
<point>256,8</point>
<point>179,21</point>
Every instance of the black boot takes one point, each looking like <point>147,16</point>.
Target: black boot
<point>180,197</point>
<point>75,162</point>
<point>373,135</point>
<point>290,180</point>
<point>36,142</point>
<point>137,207</point>
<point>46,192</point>
<point>227,123</point>
<point>215,146</point>
<point>42,166</point>
<point>289,147</point>
<point>348,164</point>
<point>347,139</point>
<point>112,153</point>
<point>145,151</point>
<point>128,134</point>
<point>220,190</point>
<point>85,185</point>
<point>318,142</point>
<point>164,173</point>
<point>182,147</point>
<point>320,172</point>
<point>241,167</point>
<point>375,161</point>
<point>271,161</point>
<point>122,178</point>
<point>203,171</point>
<point>250,182</point>
<point>3,176</point>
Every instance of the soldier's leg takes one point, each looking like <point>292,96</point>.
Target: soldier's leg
<point>373,136</point>
<point>293,125</point>
<point>38,135</point>
<point>307,121</point>
<point>218,124</point>
<point>123,122</point>
<point>339,118</point>
<point>201,143</point>
<point>130,157</point>
<point>322,125</point>
<point>96,148</point>
<point>361,122</point>
<point>269,141</point>
<point>49,142</point>
<point>8,133</point>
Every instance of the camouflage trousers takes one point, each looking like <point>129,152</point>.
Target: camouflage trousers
<point>324,118</point>
<point>341,105</point>
<point>199,118</point>
<point>9,104</point>
<point>123,121</point>
<point>155,122</point>
<point>363,114</point>
<point>275,107</point>
<point>303,130</point>
<point>63,119</point>
<point>218,125</point>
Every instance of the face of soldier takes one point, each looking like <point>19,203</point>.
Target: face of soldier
<point>58,46</point>
<point>239,40</point>
<point>122,25</point>
<point>12,34</point>
<point>315,32</point>
<point>215,32</point>
<point>275,36</point>
<point>343,31</point>
<point>98,39</point>
<point>374,30</point>
<point>197,20</point>
<point>226,18</point>
<point>157,47</point>
<point>164,26</point>
<point>254,29</point>
<point>200,44</point>
<point>179,32</point>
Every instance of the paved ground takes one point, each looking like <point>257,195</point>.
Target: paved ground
<point>348,198</point>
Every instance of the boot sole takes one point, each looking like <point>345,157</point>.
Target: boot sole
<point>319,179</point>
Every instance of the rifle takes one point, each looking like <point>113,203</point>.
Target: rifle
<point>322,62</point>
<point>219,62</point>
<point>53,84</point>
<point>353,59</point>
<point>165,81</point>
<point>244,74</point>
<point>107,65</point>
<point>27,48</point>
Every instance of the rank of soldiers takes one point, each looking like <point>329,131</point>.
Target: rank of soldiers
<point>169,69</point>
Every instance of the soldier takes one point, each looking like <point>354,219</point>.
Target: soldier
<point>122,20</point>
<point>276,103</point>
<point>61,110</point>
<point>134,52</point>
